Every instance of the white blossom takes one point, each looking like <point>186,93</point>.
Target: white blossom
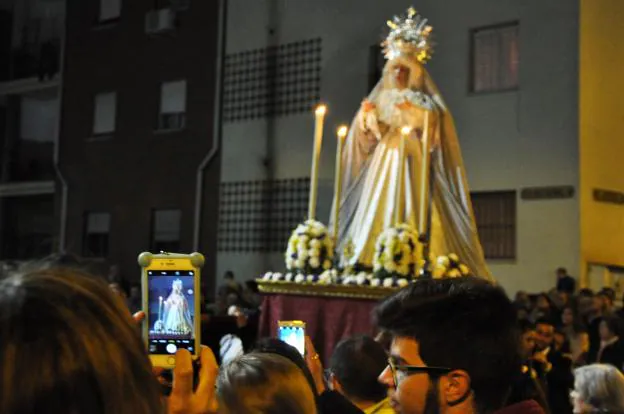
<point>315,263</point>
<point>299,278</point>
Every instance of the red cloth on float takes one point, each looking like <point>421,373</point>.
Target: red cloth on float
<point>328,320</point>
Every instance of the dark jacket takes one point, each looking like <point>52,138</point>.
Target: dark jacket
<point>613,355</point>
<point>524,407</point>
<point>528,386</point>
<point>331,402</point>
<point>558,380</point>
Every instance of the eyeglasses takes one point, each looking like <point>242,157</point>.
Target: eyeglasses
<point>400,372</point>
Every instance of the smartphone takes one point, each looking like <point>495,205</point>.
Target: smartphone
<point>293,333</point>
<point>171,296</point>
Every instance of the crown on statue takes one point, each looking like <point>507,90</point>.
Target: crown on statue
<point>409,36</point>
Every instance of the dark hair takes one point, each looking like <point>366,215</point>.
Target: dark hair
<point>258,383</point>
<point>587,292</point>
<point>464,323</point>
<point>577,325</point>
<point>70,346</point>
<point>357,363</point>
<point>545,321</point>
<point>607,293</point>
<point>229,275</point>
<point>525,325</point>
<point>562,270</point>
<point>614,324</point>
<point>275,346</point>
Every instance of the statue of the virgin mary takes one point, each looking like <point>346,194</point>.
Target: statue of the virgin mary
<point>406,96</point>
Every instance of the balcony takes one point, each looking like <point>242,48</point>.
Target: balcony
<point>28,138</point>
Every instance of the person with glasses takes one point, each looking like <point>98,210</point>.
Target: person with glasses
<point>454,348</point>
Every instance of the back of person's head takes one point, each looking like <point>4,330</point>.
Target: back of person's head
<point>278,347</point>
<point>259,383</point>
<point>464,324</point>
<point>599,386</point>
<point>68,345</point>
<point>357,363</point>
<point>229,275</point>
<point>614,324</point>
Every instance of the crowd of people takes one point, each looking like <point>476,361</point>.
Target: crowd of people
<point>69,344</point>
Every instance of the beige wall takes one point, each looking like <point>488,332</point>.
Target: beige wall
<point>601,130</point>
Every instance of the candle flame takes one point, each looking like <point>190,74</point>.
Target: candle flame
<point>406,130</point>
<point>320,110</point>
<point>342,131</point>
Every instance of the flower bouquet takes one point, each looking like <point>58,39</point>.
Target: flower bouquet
<point>450,267</point>
<point>310,249</point>
<point>396,256</point>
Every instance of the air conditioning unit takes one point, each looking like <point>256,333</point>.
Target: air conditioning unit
<point>172,121</point>
<point>158,21</point>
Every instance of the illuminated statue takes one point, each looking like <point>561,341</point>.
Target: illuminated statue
<point>406,96</point>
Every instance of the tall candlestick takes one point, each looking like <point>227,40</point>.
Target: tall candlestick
<point>160,302</point>
<point>405,131</point>
<point>318,140</point>
<point>342,133</point>
<point>424,176</point>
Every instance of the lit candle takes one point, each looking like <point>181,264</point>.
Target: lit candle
<point>342,133</point>
<point>424,176</point>
<point>160,301</point>
<point>318,140</point>
<point>405,131</point>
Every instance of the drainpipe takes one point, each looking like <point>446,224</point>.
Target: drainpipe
<point>217,127</point>
<point>57,167</point>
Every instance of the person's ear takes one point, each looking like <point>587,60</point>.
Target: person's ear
<point>455,388</point>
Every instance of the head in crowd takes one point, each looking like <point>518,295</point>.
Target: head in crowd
<point>562,272</point>
<point>455,346</point>
<point>70,346</point>
<point>527,338</point>
<point>229,276</point>
<point>570,319</point>
<point>278,347</point>
<point>598,388</point>
<point>544,334</point>
<point>259,383</point>
<point>610,327</point>
<point>605,299</point>
<point>543,302</point>
<point>354,369</point>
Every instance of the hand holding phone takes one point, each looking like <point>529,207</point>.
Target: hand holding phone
<point>171,284</point>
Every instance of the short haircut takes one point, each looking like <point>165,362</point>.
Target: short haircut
<point>463,323</point>
<point>281,348</point>
<point>228,274</point>
<point>525,325</point>
<point>601,386</point>
<point>545,321</point>
<point>614,324</point>
<point>259,383</point>
<point>562,270</point>
<point>357,363</point>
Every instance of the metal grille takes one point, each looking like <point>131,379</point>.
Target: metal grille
<point>495,213</point>
<point>258,216</point>
<point>274,81</point>
<point>495,58</point>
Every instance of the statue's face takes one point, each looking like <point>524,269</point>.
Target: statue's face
<point>400,75</point>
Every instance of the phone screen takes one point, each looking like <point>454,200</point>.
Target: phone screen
<point>171,311</point>
<point>293,335</point>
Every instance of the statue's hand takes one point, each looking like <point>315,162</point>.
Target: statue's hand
<point>368,106</point>
<point>405,105</point>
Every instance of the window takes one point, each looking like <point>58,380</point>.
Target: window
<point>495,58</point>
<point>96,235</point>
<point>105,113</point>
<point>109,10</point>
<point>172,105</point>
<point>495,213</point>
<point>166,230</point>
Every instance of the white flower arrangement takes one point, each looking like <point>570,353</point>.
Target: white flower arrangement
<point>310,249</point>
<point>396,253</point>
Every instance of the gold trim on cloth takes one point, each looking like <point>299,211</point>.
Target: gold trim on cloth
<point>328,291</point>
